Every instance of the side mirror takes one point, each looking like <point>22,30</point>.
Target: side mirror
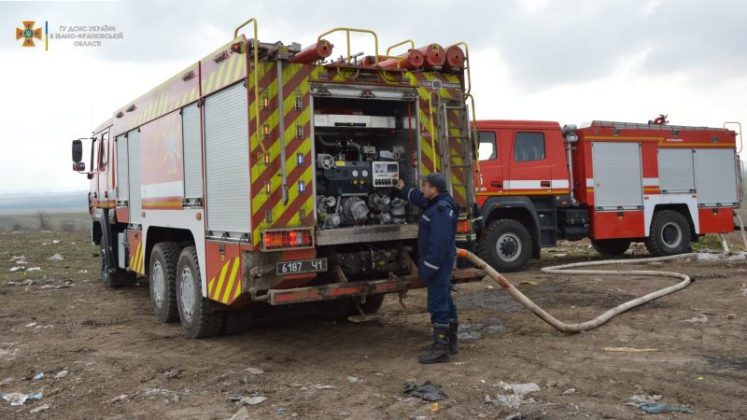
<point>78,152</point>
<point>79,166</point>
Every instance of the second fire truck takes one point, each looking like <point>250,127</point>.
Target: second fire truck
<point>612,182</point>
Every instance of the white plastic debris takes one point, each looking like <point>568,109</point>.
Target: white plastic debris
<point>160,392</point>
<point>56,258</point>
<point>39,409</point>
<point>33,269</point>
<point>38,376</point>
<point>119,398</point>
<point>702,318</point>
<point>56,241</point>
<point>16,268</point>
<point>519,392</point>
<point>17,398</point>
<point>255,371</point>
<point>61,374</point>
<point>320,386</point>
<point>644,399</point>
<point>253,400</point>
<point>702,256</point>
<point>355,380</point>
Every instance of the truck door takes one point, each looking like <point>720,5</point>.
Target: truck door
<point>102,165</point>
<point>529,170</point>
<point>491,164</point>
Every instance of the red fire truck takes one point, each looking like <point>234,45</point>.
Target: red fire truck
<point>613,182</point>
<point>263,174</point>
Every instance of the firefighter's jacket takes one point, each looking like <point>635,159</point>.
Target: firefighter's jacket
<point>436,235</point>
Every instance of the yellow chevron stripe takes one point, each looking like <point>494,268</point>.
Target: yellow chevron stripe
<point>229,69</point>
<point>210,81</point>
<point>273,120</point>
<point>290,134</point>
<point>221,279</point>
<point>221,72</point>
<point>237,292</point>
<point>240,68</point>
<point>260,199</point>
<point>231,280</point>
<point>135,258</point>
<point>141,259</point>
<point>279,209</point>
<point>211,287</point>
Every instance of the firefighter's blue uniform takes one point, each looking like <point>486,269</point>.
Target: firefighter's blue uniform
<point>436,251</point>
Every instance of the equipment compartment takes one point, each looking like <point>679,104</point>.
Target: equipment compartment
<point>362,147</point>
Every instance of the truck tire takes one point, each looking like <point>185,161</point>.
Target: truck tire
<point>332,310</point>
<point>195,315</point>
<point>669,234</point>
<point>506,245</point>
<point>611,247</point>
<point>162,280</point>
<point>372,304</point>
<point>236,322</point>
<point>116,278</point>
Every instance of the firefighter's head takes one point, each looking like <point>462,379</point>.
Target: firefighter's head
<point>433,185</point>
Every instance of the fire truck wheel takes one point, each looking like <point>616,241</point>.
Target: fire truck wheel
<point>236,322</point>
<point>669,234</point>
<point>506,245</point>
<point>371,305</point>
<point>332,310</point>
<point>162,280</point>
<point>197,319</point>
<point>116,279</point>
<point>611,247</point>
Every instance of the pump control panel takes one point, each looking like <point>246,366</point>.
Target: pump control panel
<point>384,174</point>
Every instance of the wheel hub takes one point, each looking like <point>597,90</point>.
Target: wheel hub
<point>187,293</point>
<point>671,234</point>
<point>159,284</point>
<point>508,247</point>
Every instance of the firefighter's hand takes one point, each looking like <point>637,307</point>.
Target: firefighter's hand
<point>400,184</point>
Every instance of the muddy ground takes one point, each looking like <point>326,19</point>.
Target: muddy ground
<point>103,355</point>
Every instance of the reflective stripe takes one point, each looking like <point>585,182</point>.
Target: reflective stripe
<point>650,182</point>
<point>408,193</point>
<point>427,219</point>
<point>427,264</point>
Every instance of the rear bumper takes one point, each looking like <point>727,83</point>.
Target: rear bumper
<point>361,288</point>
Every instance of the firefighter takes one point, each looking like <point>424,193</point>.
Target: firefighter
<point>437,251</point>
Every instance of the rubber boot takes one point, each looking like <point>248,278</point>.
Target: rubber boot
<point>439,352</point>
<point>453,330</point>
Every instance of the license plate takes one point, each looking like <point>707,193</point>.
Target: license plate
<point>301,266</point>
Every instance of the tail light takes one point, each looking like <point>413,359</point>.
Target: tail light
<point>464,226</point>
<point>284,239</point>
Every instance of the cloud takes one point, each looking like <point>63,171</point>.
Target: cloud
<point>570,61</point>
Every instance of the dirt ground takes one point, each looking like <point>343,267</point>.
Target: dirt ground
<point>103,355</point>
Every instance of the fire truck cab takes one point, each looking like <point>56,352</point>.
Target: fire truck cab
<point>612,182</point>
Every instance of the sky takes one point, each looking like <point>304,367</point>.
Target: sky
<point>570,61</point>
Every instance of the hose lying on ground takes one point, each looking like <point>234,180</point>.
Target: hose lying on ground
<point>569,269</point>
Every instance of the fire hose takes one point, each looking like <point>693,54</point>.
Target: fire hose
<point>572,268</point>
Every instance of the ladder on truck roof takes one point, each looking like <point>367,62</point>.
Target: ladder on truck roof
<point>644,126</point>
